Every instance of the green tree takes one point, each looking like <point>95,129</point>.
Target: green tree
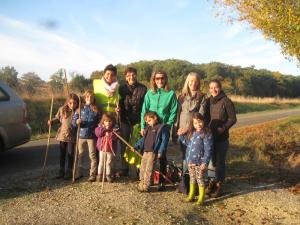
<point>31,82</point>
<point>57,81</point>
<point>10,76</point>
<point>96,75</point>
<point>79,83</point>
<point>278,20</point>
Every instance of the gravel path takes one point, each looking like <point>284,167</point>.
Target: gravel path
<point>27,199</point>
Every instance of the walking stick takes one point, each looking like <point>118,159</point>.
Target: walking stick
<point>104,170</point>
<point>66,81</point>
<point>140,155</point>
<point>49,133</point>
<point>76,145</point>
<point>118,113</point>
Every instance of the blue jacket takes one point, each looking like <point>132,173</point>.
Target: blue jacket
<point>89,121</point>
<point>161,140</point>
<point>199,147</point>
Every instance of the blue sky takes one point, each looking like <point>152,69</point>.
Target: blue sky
<point>83,36</point>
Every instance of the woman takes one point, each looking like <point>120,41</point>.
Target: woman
<point>106,90</point>
<point>190,100</point>
<point>222,116</point>
<point>132,95</point>
<point>163,101</point>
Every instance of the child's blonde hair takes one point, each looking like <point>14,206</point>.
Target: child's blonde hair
<point>93,103</point>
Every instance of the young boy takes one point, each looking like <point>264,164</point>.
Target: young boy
<point>153,144</point>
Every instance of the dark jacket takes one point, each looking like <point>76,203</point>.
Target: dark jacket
<point>220,113</point>
<point>161,140</point>
<point>89,121</point>
<point>131,102</point>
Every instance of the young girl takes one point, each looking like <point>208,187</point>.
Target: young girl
<point>107,145</point>
<point>199,144</point>
<point>88,122</point>
<point>66,135</point>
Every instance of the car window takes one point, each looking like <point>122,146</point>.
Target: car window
<point>3,95</point>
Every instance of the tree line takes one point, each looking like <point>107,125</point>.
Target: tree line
<point>246,81</point>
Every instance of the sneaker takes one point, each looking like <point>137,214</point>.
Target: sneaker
<point>92,179</point>
<point>218,191</point>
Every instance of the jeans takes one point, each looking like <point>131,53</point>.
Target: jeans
<point>66,149</point>
<point>218,163</point>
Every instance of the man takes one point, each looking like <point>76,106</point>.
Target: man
<point>131,101</point>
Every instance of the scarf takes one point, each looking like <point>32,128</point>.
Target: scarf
<point>110,89</point>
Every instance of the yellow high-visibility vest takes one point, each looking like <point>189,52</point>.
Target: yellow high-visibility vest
<point>105,103</point>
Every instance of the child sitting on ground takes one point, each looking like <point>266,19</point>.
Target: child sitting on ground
<point>199,144</point>
<point>152,144</point>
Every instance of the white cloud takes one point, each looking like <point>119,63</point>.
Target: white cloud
<point>265,55</point>
<point>29,48</point>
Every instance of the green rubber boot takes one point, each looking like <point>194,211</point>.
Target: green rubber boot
<point>191,193</point>
<point>201,195</point>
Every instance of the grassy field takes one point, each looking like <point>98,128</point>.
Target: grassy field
<point>38,114</point>
<point>267,151</point>
<point>242,107</point>
<point>38,108</point>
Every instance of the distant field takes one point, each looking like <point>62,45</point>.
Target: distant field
<point>265,100</point>
<point>38,108</point>
<point>257,107</point>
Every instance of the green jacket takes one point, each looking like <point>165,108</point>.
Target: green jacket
<point>163,103</point>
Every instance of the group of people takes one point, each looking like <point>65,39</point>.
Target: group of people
<point>145,118</point>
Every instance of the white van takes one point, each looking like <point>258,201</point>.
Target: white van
<point>14,129</point>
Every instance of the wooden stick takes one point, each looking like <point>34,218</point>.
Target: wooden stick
<point>76,145</point>
<point>104,171</point>
<point>118,113</point>
<point>139,154</point>
<point>49,133</point>
<point>125,142</point>
<point>66,82</point>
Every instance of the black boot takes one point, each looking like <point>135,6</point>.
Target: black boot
<point>210,187</point>
<point>60,174</point>
<point>218,191</point>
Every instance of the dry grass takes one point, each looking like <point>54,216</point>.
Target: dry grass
<point>272,146</point>
<point>259,100</point>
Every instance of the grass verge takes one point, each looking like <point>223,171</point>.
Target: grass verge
<point>267,151</point>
